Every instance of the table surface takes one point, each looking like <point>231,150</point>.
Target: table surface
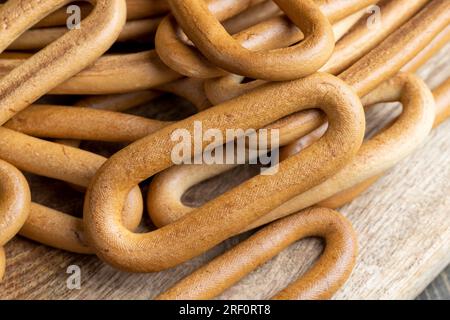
<point>400,200</point>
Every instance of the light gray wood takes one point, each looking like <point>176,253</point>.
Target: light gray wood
<point>403,225</point>
<point>439,289</point>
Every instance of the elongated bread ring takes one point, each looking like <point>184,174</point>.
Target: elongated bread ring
<point>60,60</point>
<point>64,163</point>
<point>435,45</point>
<point>354,45</point>
<point>118,102</point>
<point>272,34</point>
<point>442,99</point>
<point>136,9</point>
<point>321,282</point>
<point>111,74</point>
<point>165,205</point>
<point>377,155</point>
<point>279,64</point>
<point>383,61</point>
<point>188,88</point>
<point>381,152</point>
<point>62,122</point>
<point>196,233</point>
<point>251,16</point>
<point>34,39</point>
<point>2,262</point>
<point>15,202</point>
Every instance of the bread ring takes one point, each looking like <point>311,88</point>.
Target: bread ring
<point>442,99</point>
<point>136,9</point>
<point>271,34</point>
<point>35,39</point>
<point>381,152</point>
<point>15,202</point>
<point>280,64</point>
<point>60,60</point>
<point>165,207</point>
<point>164,197</point>
<point>191,236</point>
<point>2,262</point>
<point>68,164</point>
<point>353,46</point>
<point>326,276</point>
<point>111,74</point>
<point>61,122</point>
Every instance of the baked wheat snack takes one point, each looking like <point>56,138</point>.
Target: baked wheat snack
<point>64,163</point>
<point>15,202</point>
<point>321,282</point>
<point>376,156</point>
<point>164,200</point>
<point>204,228</point>
<point>59,61</point>
<point>267,35</point>
<point>359,41</point>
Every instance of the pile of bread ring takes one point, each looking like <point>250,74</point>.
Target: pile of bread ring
<point>306,67</point>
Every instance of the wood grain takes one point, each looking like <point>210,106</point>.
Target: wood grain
<point>403,223</point>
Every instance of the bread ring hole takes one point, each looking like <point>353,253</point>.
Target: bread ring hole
<point>207,190</point>
<point>55,194</point>
<point>380,116</point>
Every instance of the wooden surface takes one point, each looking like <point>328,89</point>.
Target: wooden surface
<point>403,225</point>
<point>439,289</point>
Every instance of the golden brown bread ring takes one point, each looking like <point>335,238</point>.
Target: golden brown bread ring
<point>395,51</point>
<point>15,202</point>
<point>118,102</point>
<point>188,88</point>
<point>222,49</point>
<point>377,155</point>
<point>136,9</point>
<point>435,45</point>
<point>2,262</point>
<point>64,163</point>
<point>159,201</point>
<point>205,228</point>
<point>362,38</point>
<point>62,122</point>
<point>275,33</point>
<point>380,152</point>
<point>111,74</point>
<point>251,16</point>
<point>113,102</point>
<point>442,99</point>
<point>58,61</point>
<point>327,275</point>
<point>354,45</point>
<point>34,39</point>
<point>382,62</point>
<point>185,59</point>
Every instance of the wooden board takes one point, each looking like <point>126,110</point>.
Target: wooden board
<point>403,223</point>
